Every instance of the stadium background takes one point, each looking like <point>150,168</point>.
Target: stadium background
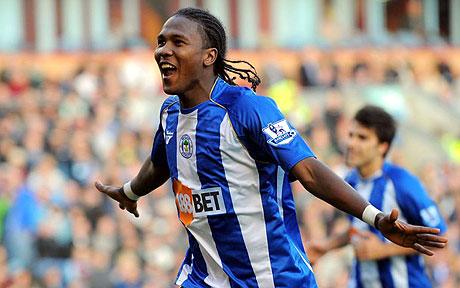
<point>79,101</point>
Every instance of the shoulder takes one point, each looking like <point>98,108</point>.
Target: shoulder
<point>171,101</point>
<point>352,177</point>
<point>402,179</point>
<point>236,99</point>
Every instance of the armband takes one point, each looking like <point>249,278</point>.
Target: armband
<point>370,214</point>
<point>129,192</point>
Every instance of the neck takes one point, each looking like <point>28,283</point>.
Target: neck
<point>369,169</point>
<point>199,93</point>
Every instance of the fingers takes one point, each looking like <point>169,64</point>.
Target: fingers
<point>131,210</point>
<point>394,215</point>
<point>432,244</point>
<point>422,230</point>
<point>99,186</point>
<point>112,193</point>
<point>422,249</point>
<point>431,237</point>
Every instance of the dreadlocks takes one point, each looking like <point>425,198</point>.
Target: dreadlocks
<point>214,36</point>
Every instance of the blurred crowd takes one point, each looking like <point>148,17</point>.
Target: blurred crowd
<point>59,134</point>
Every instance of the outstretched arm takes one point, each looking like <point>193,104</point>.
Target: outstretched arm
<point>147,179</point>
<point>326,185</point>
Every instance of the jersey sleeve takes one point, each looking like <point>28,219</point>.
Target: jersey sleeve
<point>416,204</point>
<point>158,155</point>
<point>267,127</point>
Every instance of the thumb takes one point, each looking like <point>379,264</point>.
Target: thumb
<point>99,186</point>
<point>394,215</point>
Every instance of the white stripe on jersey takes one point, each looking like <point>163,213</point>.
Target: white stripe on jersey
<point>188,175</point>
<point>369,269</point>
<point>369,272</point>
<point>243,182</point>
<point>398,268</point>
<point>186,269</point>
<point>364,189</point>
<point>279,189</point>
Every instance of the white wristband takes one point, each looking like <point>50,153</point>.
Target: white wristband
<point>129,192</point>
<point>369,215</point>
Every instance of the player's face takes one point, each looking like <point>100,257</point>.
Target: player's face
<point>363,147</point>
<point>179,55</point>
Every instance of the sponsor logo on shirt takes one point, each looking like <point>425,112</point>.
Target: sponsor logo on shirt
<point>193,204</point>
<point>279,133</point>
<point>186,146</point>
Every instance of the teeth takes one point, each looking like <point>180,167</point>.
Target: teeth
<point>167,66</point>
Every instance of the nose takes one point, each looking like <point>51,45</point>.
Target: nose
<point>350,142</point>
<point>163,52</point>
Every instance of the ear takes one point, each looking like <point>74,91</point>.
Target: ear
<point>209,57</point>
<point>383,148</point>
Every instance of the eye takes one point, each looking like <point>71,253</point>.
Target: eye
<point>178,42</point>
<point>161,42</point>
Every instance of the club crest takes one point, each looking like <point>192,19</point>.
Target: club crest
<point>186,146</point>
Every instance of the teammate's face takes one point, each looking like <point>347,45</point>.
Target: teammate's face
<point>180,55</point>
<point>363,147</point>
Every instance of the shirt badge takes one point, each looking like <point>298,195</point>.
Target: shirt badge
<point>186,146</point>
<point>279,133</point>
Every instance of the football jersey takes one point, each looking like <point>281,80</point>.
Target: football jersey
<point>228,159</point>
<point>394,187</point>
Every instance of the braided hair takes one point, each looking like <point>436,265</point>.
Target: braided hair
<point>214,36</point>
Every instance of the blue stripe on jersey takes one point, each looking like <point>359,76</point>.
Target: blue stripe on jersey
<point>290,215</point>
<point>386,278</point>
<point>417,277</point>
<point>376,199</point>
<point>211,173</point>
<point>358,275</point>
<point>172,118</point>
<point>286,261</point>
<point>199,271</point>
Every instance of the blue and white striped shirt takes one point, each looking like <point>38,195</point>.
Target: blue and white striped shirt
<point>394,187</point>
<point>227,159</point>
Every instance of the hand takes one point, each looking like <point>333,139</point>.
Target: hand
<point>419,238</point>
<point>368,246</point>
<point>315,250</point>
<point>116,194</point>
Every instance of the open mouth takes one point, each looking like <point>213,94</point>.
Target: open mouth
<point>167,69</point>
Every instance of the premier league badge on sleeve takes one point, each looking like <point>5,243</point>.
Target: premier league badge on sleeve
<point>279,133</point>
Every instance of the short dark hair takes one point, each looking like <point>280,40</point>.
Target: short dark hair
<point>214,36</point>
<point>382,122</point>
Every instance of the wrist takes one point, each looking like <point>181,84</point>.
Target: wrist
<point>127,191</point>
<point>371,215</point>
<point>377,219</point>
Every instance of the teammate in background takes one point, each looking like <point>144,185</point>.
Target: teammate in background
<point>230,170</point>
<point>380,263</point>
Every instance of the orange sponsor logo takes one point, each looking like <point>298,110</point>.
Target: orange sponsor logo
<point>183,202</point>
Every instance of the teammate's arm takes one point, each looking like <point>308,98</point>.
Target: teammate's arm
<point>326,185</point>
<point>147,179</point>
<point>369,247</point>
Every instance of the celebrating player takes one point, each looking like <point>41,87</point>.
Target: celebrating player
<point>230,155</point>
